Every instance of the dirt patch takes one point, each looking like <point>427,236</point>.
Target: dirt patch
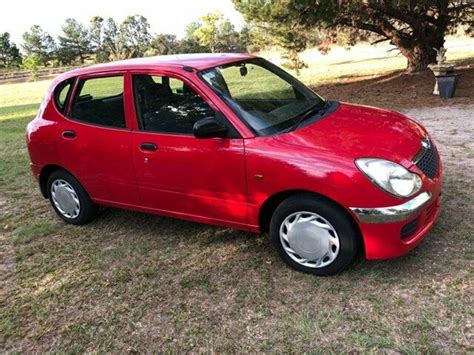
<point>453,128</point>
<point>399,90</point>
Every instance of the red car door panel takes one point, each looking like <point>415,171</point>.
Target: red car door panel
<point>95,143</point>
<point>175,171</point>
<point>186,175</point>
<point>102,158</point>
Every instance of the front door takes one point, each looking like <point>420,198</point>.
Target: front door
<point>196,178</point>
<point>94,142</point>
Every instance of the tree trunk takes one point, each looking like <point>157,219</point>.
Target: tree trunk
<point>419,49</point>
<point>418,58</point>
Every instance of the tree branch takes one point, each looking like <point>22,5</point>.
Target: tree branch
<point>363,26</point>
<point>468,4</point>
<point>380,40</point>
<point>392,12</point>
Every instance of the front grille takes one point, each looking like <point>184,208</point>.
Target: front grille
<point>427,160</point>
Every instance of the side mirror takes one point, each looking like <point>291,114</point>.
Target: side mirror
<point>209,127</point>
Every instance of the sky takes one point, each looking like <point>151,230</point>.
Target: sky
<point>164,16</point>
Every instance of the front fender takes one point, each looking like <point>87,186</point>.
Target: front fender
<point>274,167</point>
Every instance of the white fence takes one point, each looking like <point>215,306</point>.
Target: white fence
<point>22,75</point>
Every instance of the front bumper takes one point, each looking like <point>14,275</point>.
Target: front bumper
<point>392,213</point>
<point>389,232</point>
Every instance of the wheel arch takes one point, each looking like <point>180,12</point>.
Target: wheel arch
<point>46,171</point>
<point>272,202</point>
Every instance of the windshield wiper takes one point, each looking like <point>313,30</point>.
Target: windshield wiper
<point>310,112</point>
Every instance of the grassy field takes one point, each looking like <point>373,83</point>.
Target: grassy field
<point>135,282</point>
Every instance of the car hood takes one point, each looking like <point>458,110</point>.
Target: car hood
<point>360,131</point>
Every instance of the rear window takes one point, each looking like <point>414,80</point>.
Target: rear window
<point>100,102</point>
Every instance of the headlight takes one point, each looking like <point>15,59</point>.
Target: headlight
<point>390,176</point>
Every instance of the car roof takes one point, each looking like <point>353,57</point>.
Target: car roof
<point>198,61</point>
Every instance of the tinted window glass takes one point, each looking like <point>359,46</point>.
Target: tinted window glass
<point>258,83</point>
<point>100,101</point>
<point>62,92</point>
<point>268,99</point>
<point>168,105</point>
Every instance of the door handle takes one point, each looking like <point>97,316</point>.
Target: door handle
<point>148,146</point>
<point>69,134</point>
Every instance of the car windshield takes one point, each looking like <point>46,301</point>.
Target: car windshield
<point>264,96</point>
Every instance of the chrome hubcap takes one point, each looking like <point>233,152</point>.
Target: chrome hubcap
<point>309,239</point>
<point>65,198</point>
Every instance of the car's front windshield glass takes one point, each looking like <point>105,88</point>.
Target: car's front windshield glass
<point>267,98</point>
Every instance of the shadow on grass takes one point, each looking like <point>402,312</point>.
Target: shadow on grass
<point>250,250</point>
<point>398,90</point>
<point>354,61</point>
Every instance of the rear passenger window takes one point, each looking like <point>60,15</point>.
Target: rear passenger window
<point>100,102</point>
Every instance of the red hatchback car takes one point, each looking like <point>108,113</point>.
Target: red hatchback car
<point>233,140</point>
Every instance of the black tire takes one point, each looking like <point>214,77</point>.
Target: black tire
<point>88,209</point>
<point>347,233</point>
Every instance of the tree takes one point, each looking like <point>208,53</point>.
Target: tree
<point>191,29</point>
<point>215,33</point>
<point>113,46</point>
<point>9,53</point>
<point>414,27</point>
<point>256,37</point>
<point>38,43</point>
<point>289,36</point>
<point>245,38</point>
<point>66,56</point>
<point>32,64</point>
<point>75,41</point>
<point>96,33</point>
<point>190,45</point>
<point>228,38</point>
<point>293,42</point>
<point>163,44</point>
<point>207,30</point>
<point>135,35</point>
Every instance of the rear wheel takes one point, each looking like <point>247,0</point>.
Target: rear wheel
<point>69,199</point>
<point>313,235</point>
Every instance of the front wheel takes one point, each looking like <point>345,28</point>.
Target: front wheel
<point>313,235</point>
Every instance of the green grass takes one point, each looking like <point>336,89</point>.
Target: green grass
<point>132,282</point>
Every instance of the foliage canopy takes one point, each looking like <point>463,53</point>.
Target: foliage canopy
<point>414,27</point>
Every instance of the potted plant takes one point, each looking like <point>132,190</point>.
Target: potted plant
<point>446,78</point>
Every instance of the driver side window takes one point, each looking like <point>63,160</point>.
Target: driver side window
<point>167,105</point>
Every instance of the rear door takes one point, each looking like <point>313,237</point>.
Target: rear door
<point>175,171</point>
<point>94,140</point>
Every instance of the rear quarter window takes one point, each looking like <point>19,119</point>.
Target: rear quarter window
<point>62,94</point>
